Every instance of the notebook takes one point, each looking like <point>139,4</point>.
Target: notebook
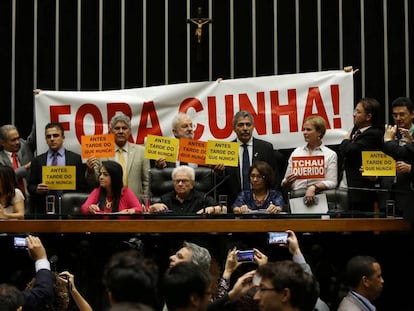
<point>297,205</point>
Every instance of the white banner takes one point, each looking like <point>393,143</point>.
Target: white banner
<point>279,105</point>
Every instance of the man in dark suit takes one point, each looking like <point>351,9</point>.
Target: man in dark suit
<point>38,190</point>
<point>16,153</point>
<point>404,187</point>
<point>395,138</point>
<point>365,136</point>
<point>257,149</point>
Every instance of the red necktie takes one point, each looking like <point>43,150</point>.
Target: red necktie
<point>16,166</point>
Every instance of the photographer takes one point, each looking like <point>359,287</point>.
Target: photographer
<point>42,290</point>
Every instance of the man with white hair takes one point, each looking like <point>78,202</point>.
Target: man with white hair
<point>184,199</point>
<point>182,127</point>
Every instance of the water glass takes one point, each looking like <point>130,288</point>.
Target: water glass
<point>50,204</point>
<point>390,208</point>
<point>222,200</point>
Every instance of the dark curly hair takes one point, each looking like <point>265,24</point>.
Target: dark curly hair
<point>60,300</point>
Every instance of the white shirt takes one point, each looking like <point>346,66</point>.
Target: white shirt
<point>331,167</point>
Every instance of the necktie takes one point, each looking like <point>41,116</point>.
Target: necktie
<point>55,159</point>
<point>121,161</point>
<point>57,193</point>
<point>356,135</point>
<point>245,168</point>
<point>16,166</point>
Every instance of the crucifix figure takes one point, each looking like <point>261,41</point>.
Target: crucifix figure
<point>199,21</point>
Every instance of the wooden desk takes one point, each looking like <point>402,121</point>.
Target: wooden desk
<point>203,225</point>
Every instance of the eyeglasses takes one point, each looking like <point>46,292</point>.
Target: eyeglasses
<point>184,181</point>
<point>258,177</point>
<point>49,136</point>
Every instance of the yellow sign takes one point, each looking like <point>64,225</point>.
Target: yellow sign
<point>222,152</point>
<point>377,163</point>
<point>59,177</point>
<point>100,146</point>
<point>192,151</point>
<point>161,147</point>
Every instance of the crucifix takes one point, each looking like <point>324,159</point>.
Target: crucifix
<point>200,22</point>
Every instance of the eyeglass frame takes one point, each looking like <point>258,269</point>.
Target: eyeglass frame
<point>183,181</point>
<point>258,177</point>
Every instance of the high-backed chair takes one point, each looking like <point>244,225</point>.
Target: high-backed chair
<point>161,181</point>
<point>72,201</point>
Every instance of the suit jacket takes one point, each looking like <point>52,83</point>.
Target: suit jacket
<point>403,189</point>
<point>369,140</point>
<point>24,155</point>
<point>41,292</point>
<point>262,151</point>
<point>350,303</point>
<point>137,168</point>
<point>38,201</point>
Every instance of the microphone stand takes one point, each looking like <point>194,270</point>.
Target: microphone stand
<point>213,189</point>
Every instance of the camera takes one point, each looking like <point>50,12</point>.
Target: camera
<point>278,238</point>
<point>20,242</point>
<point>245,255</point>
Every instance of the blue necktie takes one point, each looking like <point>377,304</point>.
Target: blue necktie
<point>356,135</point>
<point>55,158</point>
<point>246,168</point>
<point>57,193</point>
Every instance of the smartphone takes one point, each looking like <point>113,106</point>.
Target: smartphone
<point>20,242</point>
<point>278,238</point>
<point>244,256</point>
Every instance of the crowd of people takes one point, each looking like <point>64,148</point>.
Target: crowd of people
<point>263,180</point>
<point>195,281</point>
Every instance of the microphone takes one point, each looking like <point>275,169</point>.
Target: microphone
<point>212,189</point>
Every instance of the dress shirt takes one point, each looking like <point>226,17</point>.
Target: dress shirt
<point>61,161</point>
<point>331,167</point>
<point>125,153</point>
<point>42,264</point>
